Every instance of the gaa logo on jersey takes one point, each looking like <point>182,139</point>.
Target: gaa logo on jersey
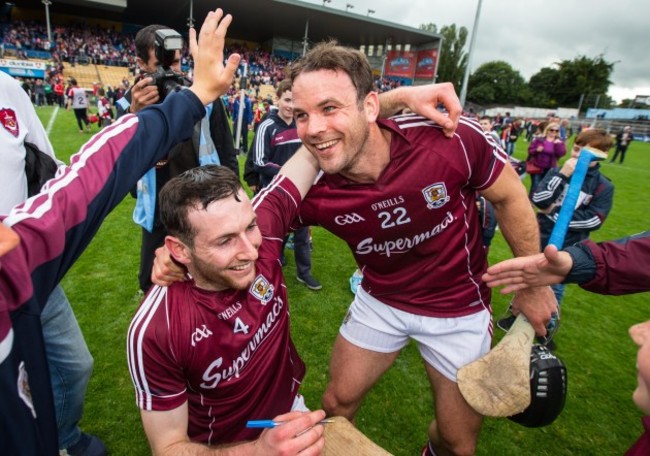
<point>435,195</point>
<point>262,289</point>
<point>9,121</point>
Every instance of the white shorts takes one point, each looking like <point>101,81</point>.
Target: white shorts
<point>447,344</point>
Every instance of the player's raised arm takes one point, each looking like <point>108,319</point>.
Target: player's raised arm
<point>301,169</point>
<point>211,77</point>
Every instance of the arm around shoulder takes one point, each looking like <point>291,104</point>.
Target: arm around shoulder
<point>302,170</point>
<point>424,100</point>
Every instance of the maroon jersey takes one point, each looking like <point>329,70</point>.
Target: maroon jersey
<point>415,233</point>
<point>229,354</point>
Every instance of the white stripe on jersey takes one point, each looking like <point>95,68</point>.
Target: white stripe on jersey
<point>413,120</point>
<point>408,117</point>
<point>592,222</point>
<point>420,123</point>
<point>77,162</point>
<point>548,191</point>
<point>402,117</point>
<point>277,180</point>
<point>497,152</point>
<point>290,141</point>
<point>6,344</point>
<point>319,176</point>
<point>258,146</point>
<point>261,196</point>
<point>468,257</point>
<point>135,336</point>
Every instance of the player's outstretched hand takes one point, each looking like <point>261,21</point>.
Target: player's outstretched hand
<point>542,269</point>
<point>300,433</point>
<point>211,77</point>
<point>165,271</point>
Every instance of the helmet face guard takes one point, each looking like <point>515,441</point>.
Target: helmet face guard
<point>548,385</point>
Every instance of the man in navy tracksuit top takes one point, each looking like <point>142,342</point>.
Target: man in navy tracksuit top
<point>55,226</point>
<point>276,140</point>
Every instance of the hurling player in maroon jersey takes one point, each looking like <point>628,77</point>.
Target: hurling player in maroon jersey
<point>402,195</point>
<point>208,354</point>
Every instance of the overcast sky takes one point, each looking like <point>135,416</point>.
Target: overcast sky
<point>533,35</point>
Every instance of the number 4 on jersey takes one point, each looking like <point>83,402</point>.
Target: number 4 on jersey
<point>240,327</point>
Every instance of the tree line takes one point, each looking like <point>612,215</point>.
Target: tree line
<point>582,82</point>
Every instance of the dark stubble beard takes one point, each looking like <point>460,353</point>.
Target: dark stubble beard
<point>358,156</point>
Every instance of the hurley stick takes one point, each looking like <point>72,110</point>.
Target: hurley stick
<point>498,384</point>
<point>343,439</point>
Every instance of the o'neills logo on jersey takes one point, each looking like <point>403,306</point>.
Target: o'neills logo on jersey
<point>230,311</point>
<point>435,195</point>
<point>9,121</point>
<point>402,245</point>
<point>262,289</point>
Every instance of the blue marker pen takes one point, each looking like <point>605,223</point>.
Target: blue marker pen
<point>266,424</point>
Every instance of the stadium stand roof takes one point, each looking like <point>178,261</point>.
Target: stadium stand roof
<point>254,20</point>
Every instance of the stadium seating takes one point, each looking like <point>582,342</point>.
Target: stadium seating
<point>112,75</point>
<point>86,75</point>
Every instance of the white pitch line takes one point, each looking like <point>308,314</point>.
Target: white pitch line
<point>50,124</point>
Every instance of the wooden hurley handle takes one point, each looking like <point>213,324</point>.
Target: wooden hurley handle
<point>343,439</point>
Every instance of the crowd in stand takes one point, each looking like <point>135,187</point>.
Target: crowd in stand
<point>81,44</point>
<point>76,43</point>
